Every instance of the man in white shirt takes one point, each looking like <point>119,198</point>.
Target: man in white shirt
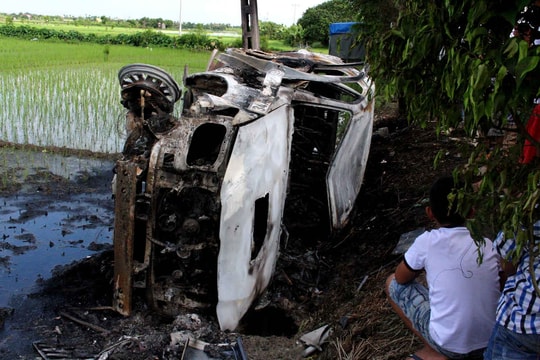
<point>454,315</point>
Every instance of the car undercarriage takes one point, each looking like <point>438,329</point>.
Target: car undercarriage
<point>269,147</point>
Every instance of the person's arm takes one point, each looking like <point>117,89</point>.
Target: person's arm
<point>504,246</point>
<point>404,273</point>
<point>508,269</point>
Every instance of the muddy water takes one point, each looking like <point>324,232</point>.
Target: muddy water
<point>60,211</point>
<point>54,209</point>
<point>39,234</point>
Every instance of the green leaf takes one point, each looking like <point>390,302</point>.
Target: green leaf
<point>482,76</point>
<point>523,48</point>
<point>397,33</point>
<point>526,65</point>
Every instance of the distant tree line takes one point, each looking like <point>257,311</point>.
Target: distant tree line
<point>311,29</point>
<point>315,22</point>
<point>142,23</point>
<point>147,38</point>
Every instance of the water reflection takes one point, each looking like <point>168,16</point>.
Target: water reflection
<point>63,214</point>
<point>40,234</point>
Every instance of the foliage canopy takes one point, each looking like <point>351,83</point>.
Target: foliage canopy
<point>455,64</point>
<point>315,21</point>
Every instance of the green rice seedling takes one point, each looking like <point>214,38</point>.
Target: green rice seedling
<point>67,96</point>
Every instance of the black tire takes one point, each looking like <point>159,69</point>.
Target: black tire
<point>151,78</point>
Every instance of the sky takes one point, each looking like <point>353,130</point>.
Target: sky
<point>285,12</point>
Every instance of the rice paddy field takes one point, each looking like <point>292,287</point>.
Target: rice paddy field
<point>67,95</point>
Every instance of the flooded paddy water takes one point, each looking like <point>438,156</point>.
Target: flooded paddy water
<point>47,216</point>
<point>76,108</point>
<point>54,209</point>
<point>39,235</point>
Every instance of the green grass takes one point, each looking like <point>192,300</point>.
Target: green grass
<point>85,29</point>
<point>278,45</point>
<point>67,95</point>
<point>23,55</point>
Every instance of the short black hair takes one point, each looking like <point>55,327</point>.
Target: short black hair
<point>440,206</point>
<point>528,21</point>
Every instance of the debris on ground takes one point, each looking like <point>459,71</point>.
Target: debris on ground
<point>338,286</point>
<point>314,340</point>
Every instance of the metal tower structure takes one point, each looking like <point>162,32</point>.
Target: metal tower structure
<point>250,24</point>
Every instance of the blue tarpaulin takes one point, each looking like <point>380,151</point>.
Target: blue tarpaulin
<point>345,43</point>
<point>341,28</point>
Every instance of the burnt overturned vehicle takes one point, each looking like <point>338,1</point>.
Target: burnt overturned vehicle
<point>204,203</point>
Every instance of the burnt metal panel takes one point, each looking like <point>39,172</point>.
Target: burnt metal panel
<point>124,209</point>
<point>348,166</point>
<point>258,167</point>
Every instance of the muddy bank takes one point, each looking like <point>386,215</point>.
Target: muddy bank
<point>56,208</point>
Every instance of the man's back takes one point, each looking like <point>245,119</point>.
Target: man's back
<point>463,294</point>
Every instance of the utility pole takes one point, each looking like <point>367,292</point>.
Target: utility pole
<point>180,20</point>
<point>294,12</point>
<point>250,24</point>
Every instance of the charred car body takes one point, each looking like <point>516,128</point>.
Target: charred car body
<point>205,202</point>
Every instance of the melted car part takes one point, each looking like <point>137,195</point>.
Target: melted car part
<point>269,146</point>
